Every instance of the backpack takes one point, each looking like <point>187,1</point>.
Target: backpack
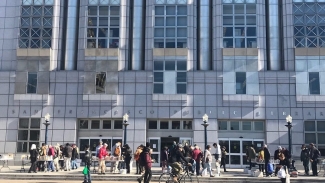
<point>117,151</point>
<point>41,152</point>
<point>137,154</point>
<point>142,159</point>
<point>269,168</point>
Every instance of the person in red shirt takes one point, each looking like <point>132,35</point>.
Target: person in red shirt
<point>197,156</point>
<point>101,159</point>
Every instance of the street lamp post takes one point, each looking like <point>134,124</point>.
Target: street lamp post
<point>125,123</point>
<point>47,123</point>
<point>289,126</point>
<point>205,124</point>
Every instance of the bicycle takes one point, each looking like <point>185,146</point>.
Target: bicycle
<point>187,176</point>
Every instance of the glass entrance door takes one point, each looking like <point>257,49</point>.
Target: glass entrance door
<point>155,146</point>
<point>236,150</point>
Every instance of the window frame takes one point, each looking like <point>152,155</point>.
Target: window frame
<point>316,132</point>
<point>317,87</point>
<point>28,129</point>
<point>252,122</point>
<point>101,121</point>
<point>28,88</point>
<point>243,84</point>
<point>170,126</point>
<point>97,87</point>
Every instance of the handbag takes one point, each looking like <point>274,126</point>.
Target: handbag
<point>85,171</point>
<point>282,173</point>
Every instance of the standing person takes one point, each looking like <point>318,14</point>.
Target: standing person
<point>217,155</point>
<point>61,157</point>
<point>74,157</point>
<point>276,157</point>
<point>116,153</point>
<point>207,160</point>
<point>267,157</point>
<point>87,160</point>
<point>33,153</point>
<point>283,162</point>
<point>261,159</point>
<point>137,159</point>
<point>314,155</point>
<point>304,157</point>
<point>164,159</point>
<point>223,158</point>
<point>186,150</point>
<point>101,159</point>
<point>51,154</point>
<point>251,156</point>
<point>42,154</point>
<point>145,160</point>
<point>56,157</point>
<point>127,157</point>
<point>197,156</point>
<point>67,156</point>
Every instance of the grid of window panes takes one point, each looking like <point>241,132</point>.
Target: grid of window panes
<point>309,23</point>
<point>95,124</point>
<point>160,67</point>
<point>239,24</point>
<point>28,133</point>
<point>241,126</point>
<point>315,133</point>
<point>103,24</point>
<point>169,125</point>
<point>170,29</point>
<point>314,86</point>
<point>36,24</point>
<point>32,82</point>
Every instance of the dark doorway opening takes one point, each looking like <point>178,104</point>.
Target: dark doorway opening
<point>168,141</point>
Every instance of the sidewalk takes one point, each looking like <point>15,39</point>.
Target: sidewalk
<point>233,175</point>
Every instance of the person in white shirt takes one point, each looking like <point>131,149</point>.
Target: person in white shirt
<point>217,156</point>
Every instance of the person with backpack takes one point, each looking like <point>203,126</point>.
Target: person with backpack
<point>51,154</point>
<point>146,162</point>
<point>304,157</point>
<point>42,154</point>
<point>87,160</point>
<point>116,154</point>
<point>127,157</point>
<point>137,153</point>
<point>314,155</point>
<point>33,154</point>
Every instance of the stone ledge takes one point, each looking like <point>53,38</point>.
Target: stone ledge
<point>167,97</point>
<point>28,52</point>
<point>101,52</point>
<point>240,51</point>
<point>30,97</point>
<point>100,97</point>
<point>170,52</point>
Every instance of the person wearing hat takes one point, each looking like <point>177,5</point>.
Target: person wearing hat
<point>101,159</point>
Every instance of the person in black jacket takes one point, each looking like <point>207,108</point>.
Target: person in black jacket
<point>33,158</point>
<point>276,157</point>
<point>164,158</point>
<point>67,156</point>
<point>267,157</point>
<point>74,156</point>
<point>304,157</point>
<point>126,150</point>
<point>87,160</point>
<point>314,155</point>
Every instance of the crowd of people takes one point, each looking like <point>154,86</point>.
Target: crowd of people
<point>53,158</point>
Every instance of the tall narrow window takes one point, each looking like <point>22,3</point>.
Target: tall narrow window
<point>309,23</point>
<point>36,24</point>
<point>28,133</point>
<point>239,24</point>
<point>100,82</point>
<point>314,87</point>
<point>240,83</point>
<point>170,24</point>
<point>170,77</point>
<point>103,24</point>
<point>32,83</point>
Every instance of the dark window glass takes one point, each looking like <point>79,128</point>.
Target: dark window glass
<point>234,125</point>
<point>164,125</point>
<point>314,87</point>
<point>158,65</point>
<point>310,138</point>
<point>158,88</point>
<point>247,126</point>
<point>181,76</point>
<point>321,138</point>
<point>107,124</point>
<point>181,88</point>
<point>259,126</point>
<point>83,124</point>
<point>320,125</point>
<point>240,83</point>
<point>32,83</point>
<point>95,124</point>
<point>22,134</point>
<point>187,125</point>
<point>181,66</point>
<point>23,123</point>
<point>222,125</point>
<point>34,135</point>
<point>176,124</point>
<point>22,147</point>
<point>83,143</point>
<point>35,123</point>
<point>169,65</point>
<point>100,82</point>
<point>153,124</point>
<point>158,76</point>
<point>310,126</point>
<point>118,124</point>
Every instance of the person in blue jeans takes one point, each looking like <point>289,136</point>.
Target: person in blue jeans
<point>87,160</point>
<point>50,154</point>
<point>74,157</point>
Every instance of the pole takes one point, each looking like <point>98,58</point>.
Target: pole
<point>46,127</point>
<point>125,134</point>
<point>205,137</point>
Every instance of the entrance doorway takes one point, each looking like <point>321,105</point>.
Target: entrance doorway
<point>168,141</point>
<point>236,148</point>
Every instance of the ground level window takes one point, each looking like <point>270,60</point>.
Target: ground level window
<point>28,134</point>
